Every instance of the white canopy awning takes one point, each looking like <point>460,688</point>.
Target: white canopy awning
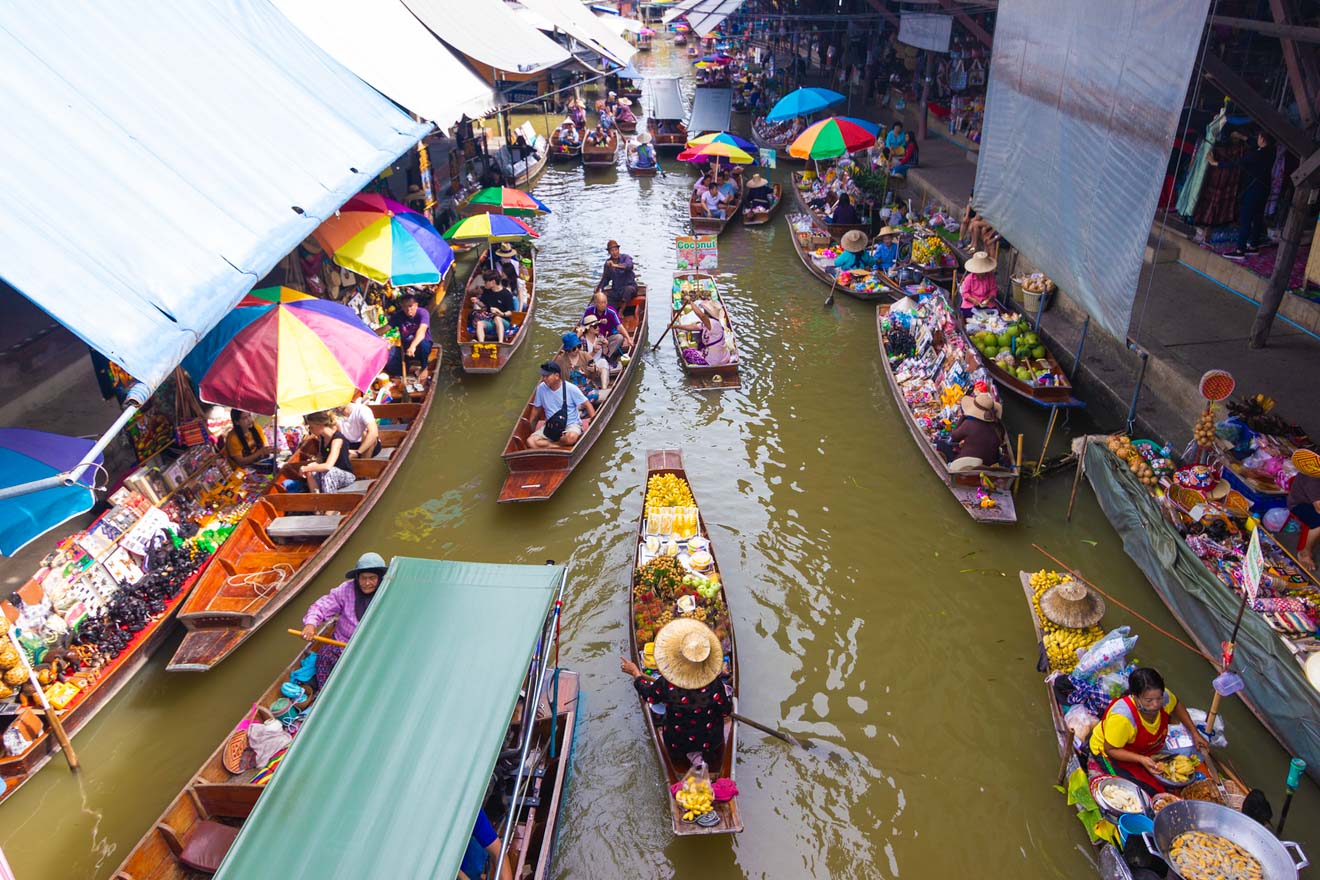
<point>620,25</point>
<point>488,31</point>
<point>160,158</point>
<point>573,18</point>
<point>419,72</point>
<point>711,15</point>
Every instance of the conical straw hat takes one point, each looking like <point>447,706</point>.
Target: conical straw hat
<point>1073,605</point>
<point>688,654</point>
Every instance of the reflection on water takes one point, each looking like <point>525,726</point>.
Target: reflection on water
<point>873,617</point>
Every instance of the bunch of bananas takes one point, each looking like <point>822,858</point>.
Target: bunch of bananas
<point>1062,645</point>
<point>696,798</point>
<point>927,251</point>
<point>1180,768</point>
<point>1204,431</point>
<point>1040,582</point>
<point>667,490</point>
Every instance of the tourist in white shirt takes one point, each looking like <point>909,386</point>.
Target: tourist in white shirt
<point>358,425</point>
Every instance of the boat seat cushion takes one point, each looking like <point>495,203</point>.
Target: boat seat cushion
<point>206,846</point>
<point>358,487</point>
<point>297,529</point>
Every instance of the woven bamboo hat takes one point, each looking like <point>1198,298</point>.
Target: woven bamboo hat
<point>688,654</point>
<point>1073,605</point>
<point>854,241</point>
<point>1307,461</point>
<point>889,230</point>
<point>982,406</point>
<point>980,262</point>
<point>644,138</point>
<point>757,180</point>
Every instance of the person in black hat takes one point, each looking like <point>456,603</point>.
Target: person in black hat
<point>554,396</point>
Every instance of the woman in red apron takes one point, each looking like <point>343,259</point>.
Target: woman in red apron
<point>1134,729</point>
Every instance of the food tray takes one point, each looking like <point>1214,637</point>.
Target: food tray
<point>1101,782</point>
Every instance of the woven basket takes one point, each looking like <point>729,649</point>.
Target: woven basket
<point>1207,790</point>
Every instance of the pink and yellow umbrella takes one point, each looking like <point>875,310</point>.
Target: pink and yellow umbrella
<point>282,350</point>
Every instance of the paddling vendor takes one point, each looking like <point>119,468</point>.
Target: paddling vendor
<point>854,255</point>
<point>1135,727</point>
<point>625,113</point>
<point>979,288</point>
<point>758,192</point>
<point>975,442</point>
<point>645,151</point>
<point>347,603</point>
<point>714,345</point>
<point>246,444</point>
<point>414,325</point>
<point>886,248</point>
<point>691,695</point>
<point>618,279</point>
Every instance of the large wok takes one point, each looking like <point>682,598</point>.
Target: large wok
<point>1190,815</point>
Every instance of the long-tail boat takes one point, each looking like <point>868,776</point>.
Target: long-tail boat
<point>536,474</point>
<point>287,538</point>
<point>659,463</point>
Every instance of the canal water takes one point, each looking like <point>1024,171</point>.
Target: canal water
<point>873,616</point>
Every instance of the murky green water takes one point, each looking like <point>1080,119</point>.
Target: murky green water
<point>871,612</point>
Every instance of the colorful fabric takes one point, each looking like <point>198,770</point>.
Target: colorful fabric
<point>265,773</point>
<point>489,228</point>
<point>385,241</point>
<point>693,720</point>
<point>834,137</point>
<point>513,202</point>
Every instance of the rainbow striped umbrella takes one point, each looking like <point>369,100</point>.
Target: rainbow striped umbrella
<point>385,241</point>
<point>489,227</point>
<point>280,349</point>
<point>833,137</point>
<point>718,152</point>
<point>506,200</point>
<point>723,137</point>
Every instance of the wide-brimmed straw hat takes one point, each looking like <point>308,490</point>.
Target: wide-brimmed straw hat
<point>368,562</point>
<point>982,406</point>
<point>688,654</point>
<point>980,262</point>
<point>625,102</point>
<point>889,230</point>
<point>854,241</point>
<point>644,138</point>
<point>1307,462</point>
<point>1072,604</point>
<point>505,250</point>
<point>757,180</point>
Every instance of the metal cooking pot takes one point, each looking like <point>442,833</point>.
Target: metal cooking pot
<point>908,275</point>
<point>1189,815</point>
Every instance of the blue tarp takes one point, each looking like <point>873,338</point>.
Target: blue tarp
<point>161,158</point>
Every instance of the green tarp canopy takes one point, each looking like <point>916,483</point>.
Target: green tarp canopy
<point>386,776</point>
<point>1276,685</point>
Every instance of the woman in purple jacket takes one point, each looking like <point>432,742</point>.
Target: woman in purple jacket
<point>346,603</point>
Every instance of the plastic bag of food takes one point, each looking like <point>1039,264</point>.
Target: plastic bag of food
<point>1107,655</point>
<point>1081,721</point>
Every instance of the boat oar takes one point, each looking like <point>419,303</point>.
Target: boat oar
<point>667,329</point>
<point>829,300</point>
<point>322,639</point>
<point>775,732</point>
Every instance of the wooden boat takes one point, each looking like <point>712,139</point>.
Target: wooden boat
<point>963,485</point>
<point>1109,858</point>
<point>703,225</point>
<point>525,178</point>
<point>835,230</point>
<point>564,152</point>
<point>18,769</point>
<point>1058,394</point>
<point>286,539</point>
<point>704,378</point>
<point>670,461</point>
<point>680,38</point>
<point>693,50</point>
<point>765,143</point>
<point>664,118</point>
<point>803,244</point>
<point>643,42</point>
<point>637,170</point>
<point>493,355</point>
<point>601,157</point>
<point>667,140</point>
<point>215,802</point>
<point>629,127</point>
<point>536,474</point>
<point>758,216</point>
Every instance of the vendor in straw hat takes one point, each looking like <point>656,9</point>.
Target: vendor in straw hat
<point>758,192</point>
<point>886,248</point>
<point>692,690</point>
<point>975,442</point>
<point>1304,501</point>
<point>645,151</point>
<point>625,113</point>
<point>854,255</point>
<point>979,288</point>
<point>346,603</point>
<point>1134,728</point>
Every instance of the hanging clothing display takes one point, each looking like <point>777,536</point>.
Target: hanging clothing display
<point>1191,191</point>
<point>1218,204</point>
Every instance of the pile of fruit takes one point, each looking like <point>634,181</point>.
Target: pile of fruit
<point>1204,430</point>
<point>1123,447</point>
<point>707,587</point>
<point>662,576</point>
<point>1062,645</point>
<point>1036,283</point>
<point>667,490</point>
<point>696,797</point>
<point>929,251</point>
<point>1014,348</point>
<point>1179,768</point>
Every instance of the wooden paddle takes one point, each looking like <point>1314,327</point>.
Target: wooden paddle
<point>667,329</point>
<point>829,300</point>
<point>321,639</point>
<point>775,732</point>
